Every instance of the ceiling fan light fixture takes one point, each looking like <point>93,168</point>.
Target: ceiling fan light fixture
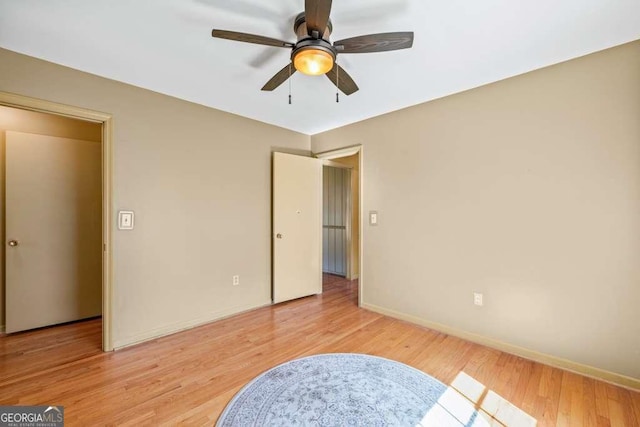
<point>313,61</point>
<point>313,53</point>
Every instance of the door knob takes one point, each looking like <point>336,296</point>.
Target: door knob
<point>278,236</point>
<point>13,243</point>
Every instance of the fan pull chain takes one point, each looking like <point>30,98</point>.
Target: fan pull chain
<point>289,83</point>
<point>337,82</point>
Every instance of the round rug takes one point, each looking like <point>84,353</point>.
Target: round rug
<point>335,390</point>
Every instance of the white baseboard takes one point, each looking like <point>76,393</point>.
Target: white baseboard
<point>183,326</point>
<point>556,362</point>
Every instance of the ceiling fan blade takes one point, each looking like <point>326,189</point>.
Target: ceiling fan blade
<point>382,42</point>
<point>342,79</point>
<point>280,77</point>
<point>269,55</point>
<point>249,38</point>
<point>316,14</point>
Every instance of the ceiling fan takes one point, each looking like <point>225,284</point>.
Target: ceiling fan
<point>313,54</point>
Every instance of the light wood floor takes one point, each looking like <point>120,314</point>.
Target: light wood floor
<point>190,376</point>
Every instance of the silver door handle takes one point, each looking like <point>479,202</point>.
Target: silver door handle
<point>13,243</point>
<point>278,236</point>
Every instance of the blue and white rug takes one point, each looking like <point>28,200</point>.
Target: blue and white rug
<point>335,390</point>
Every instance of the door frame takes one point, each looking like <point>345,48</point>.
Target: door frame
<point>345,152</point>
<point>32,104</point>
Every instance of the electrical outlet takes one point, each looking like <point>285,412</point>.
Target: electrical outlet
<point>236,280</point>
<point>477,298</point>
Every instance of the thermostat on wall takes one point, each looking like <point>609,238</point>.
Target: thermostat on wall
<point>125,220</point>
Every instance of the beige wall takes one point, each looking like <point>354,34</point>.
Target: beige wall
<point>44,124</point>
<point>198,180</point>
<point>353,162</point>
<point>526,190</point>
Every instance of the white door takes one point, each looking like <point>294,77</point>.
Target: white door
<point>53,249</point>
<point>297,227</point>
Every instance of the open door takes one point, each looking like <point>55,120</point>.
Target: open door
<point>297,227</point>
<point>53,229</point>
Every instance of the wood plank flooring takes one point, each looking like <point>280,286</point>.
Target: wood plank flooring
<point>188,378</point>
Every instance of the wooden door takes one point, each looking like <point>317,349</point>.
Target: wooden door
<point>297,226</point>
<point>53,230</point>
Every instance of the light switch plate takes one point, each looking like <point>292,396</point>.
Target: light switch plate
<point>477,298</point>
<point>373,217</point>
<point>125,220</point>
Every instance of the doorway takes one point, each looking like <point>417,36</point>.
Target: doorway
<point>341,216</point>
<point>336,215</point>
<point>97,126</point>
<point>297,227</point>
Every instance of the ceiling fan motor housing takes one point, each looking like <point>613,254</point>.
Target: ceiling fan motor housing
<point>300,28</point>
<point>313,42</point>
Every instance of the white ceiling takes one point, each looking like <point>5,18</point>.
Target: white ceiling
<point>166,46</point>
